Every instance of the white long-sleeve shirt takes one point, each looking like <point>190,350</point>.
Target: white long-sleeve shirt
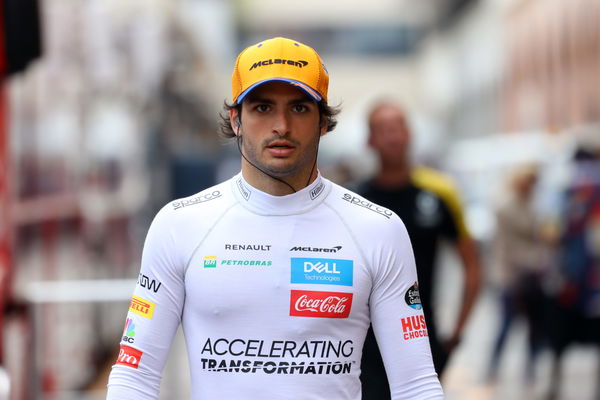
<point>275,295</point>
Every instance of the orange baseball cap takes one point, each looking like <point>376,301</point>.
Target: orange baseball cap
<point>279,59</point>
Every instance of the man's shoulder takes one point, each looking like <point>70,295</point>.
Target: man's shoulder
<point>204,202</point>
<point>442,186</point>
<point>211,194</point>
<point>358,208</point>
<point>370,223</point>
<point>434,181</point>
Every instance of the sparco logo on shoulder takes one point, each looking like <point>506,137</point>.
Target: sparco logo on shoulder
<point>359,201</point>
<point>270,61</point>
<point>305,303</point>
<point>333,249</point>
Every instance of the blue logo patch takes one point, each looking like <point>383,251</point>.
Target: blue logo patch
<point>324,271</point>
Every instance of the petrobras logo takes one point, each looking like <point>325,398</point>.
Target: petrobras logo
<point>210,262</point>
<point>142,307</point>
<point>305,303</point>
<point>414,327</point>
<point>129,357</point>
<point>129,331</point>
<point>323,271</point>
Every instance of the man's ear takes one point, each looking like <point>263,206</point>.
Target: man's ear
<point>234,120</point>
<point>370,140</point>
<point>323,123</point>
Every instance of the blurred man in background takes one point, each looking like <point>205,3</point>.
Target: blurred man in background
<point>430,208</point>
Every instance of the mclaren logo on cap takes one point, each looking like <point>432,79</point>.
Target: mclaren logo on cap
<point>299,63</point>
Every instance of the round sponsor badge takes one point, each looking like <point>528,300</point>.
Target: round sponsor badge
<point>413,298</point>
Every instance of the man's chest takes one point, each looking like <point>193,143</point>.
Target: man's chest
<point>282,268</point>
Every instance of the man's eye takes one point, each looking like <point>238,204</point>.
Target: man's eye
<point>262,108</point>
<point>300,108</point>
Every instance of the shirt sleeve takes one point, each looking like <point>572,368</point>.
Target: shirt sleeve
<point>398,320</point>
<point>153,316</point>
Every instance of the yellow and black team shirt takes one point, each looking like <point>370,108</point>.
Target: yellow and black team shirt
<point>431,210</point>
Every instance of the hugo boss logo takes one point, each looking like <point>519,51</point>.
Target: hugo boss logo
<point>243,190</point>
<point>317,191</point>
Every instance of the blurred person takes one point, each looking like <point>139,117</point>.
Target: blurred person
<point>275,274</point>
<point>519,252</point>
<point>575,302</point>
<point>429,206</point>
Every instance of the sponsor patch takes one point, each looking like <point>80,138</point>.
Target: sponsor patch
<point>306,303</point>
<point>247,263</point>
<point>359,201</point>
<point>255,247</point>
<point>413,298</point>
<point>281,357</point>
<point>317,191</point>
<point>333,249</point>
<point>243,189</point>
<point>196,200</point>
<point>142,307</point>
<point>129,331</point>
<point>325,271</point>
<point>414,327</point>
<point>129,357</point>
<point>149,283</point>
<point>210,262</point>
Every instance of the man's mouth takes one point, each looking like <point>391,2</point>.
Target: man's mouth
<point>280,148</point>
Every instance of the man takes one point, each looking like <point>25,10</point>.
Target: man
<point>429,207</point>
<point>276,274</point>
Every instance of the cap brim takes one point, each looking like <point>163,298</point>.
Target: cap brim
<point>313,94</point>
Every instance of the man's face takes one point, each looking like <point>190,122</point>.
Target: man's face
<point>280,131</point>
<point>389,133</point>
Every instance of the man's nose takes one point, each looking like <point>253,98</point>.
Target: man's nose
<point>281,123</point>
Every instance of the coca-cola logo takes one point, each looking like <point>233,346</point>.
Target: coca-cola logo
<point>305,303</point>
<point>129,357</point>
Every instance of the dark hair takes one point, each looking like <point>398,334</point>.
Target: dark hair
<point>327,112</point>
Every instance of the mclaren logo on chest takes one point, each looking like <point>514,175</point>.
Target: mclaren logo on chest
<point>333,249</point>
<point>270,61</point>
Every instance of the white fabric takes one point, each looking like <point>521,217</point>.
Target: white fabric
<point>275,295</point>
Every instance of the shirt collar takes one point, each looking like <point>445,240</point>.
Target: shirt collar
<point>263,203</point>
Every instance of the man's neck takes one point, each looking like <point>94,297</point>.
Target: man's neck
<point>272,186</point>
<point>393,176</point>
